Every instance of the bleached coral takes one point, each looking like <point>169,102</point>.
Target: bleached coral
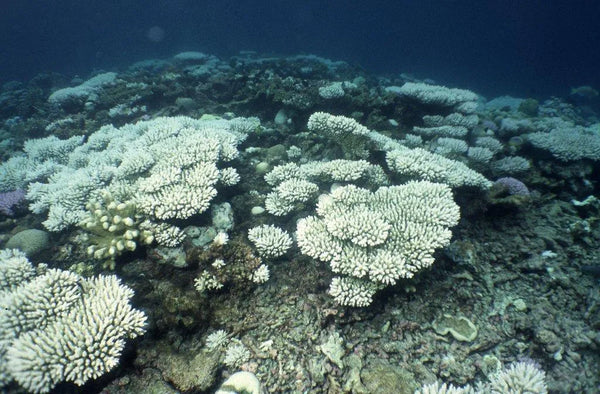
<point>296,184</point>
<point>449,146</point>
<point>43,158</point>
<point>217,339</point>
<point>126,110</point>
<point>261,274</point>
<point>229,176</point>
<point>343,171</point>
<point>192,57</point>
<point>384,143</point>
<point>454,125</point>
<point>206,282</point>
<point>287,195</point>
<point>490,143</point>
<point>220,239</point>
<point>512,126</point>
<point>83,90</point>
<point>444,388</point>
<point>431,167</point>
<point>13,173</point>
<point>377,237</point>
<point>421,164</point>
<point>51,148</point>
<point>332,90</point>
<point>178,193</point>
<point>454,119</point>
<point>15,269</point>
<point>441,131</point>
<point>412,140</point>
<point>480,154</point>
<point>58,326</point>
<point>294,152</point>
<point>346,132</point>
<point>270,241</point>
<point>283,173</point>
<point>236,354</point>
<point>43,297</point>
<point>352,292</point>
<point>461,100</point>
<point>164,233</point>
<point>518,378</point>
<point>169,168</point>
<point>568,144</point>
<point>521,377</point>
<point>510,165</point>
<point>218,264</point>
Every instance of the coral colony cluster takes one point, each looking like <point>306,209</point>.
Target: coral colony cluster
<point>58,326</point>
<point>355,186</point>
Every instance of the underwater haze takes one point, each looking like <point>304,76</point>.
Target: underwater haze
<point>531,48</point>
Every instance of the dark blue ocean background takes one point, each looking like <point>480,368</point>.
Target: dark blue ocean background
<point>524,48</point>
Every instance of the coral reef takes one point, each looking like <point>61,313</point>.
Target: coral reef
<point>568,144</point>
<point>348,160</point>
<point>57,326</point>
<point>10,201</point>
<point>343,130</point>
<point>114,227</point>
<point>166,168</point>
<point>521,377</point>
<point>270,241</point>
<point>374,239</point>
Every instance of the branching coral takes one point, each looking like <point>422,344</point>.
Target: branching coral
<point>58,326</point>
<point>374,239</point>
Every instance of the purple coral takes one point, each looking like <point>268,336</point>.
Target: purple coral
<point>10,200</point>
<point>514,186</point>
<point>488,124</point>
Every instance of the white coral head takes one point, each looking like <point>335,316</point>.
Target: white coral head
<point>220,239</point>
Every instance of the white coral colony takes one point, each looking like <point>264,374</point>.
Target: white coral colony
<point>373,239</point>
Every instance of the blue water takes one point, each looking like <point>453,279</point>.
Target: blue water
<point>525,48</point>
